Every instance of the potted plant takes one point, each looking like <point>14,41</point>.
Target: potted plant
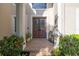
<point>28,37</point>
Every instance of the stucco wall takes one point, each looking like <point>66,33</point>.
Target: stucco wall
<point>5,19</point>
<point>69,14</point>
<point>49,13</point>
<point>7,11</point>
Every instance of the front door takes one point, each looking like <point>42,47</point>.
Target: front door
<point>39,27</point>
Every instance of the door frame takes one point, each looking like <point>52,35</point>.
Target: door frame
<point>32,25</point>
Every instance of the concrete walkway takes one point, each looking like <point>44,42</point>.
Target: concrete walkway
<point>39,47</point>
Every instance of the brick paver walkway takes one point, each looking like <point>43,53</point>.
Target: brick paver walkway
<point>39,47</point>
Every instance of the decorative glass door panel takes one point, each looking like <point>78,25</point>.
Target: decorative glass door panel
<point>39,27</point>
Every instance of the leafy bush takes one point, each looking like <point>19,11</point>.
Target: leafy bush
<point>28,35</point>
<point>68,46</point>
<point>11,46</point>
<point>55,52</point>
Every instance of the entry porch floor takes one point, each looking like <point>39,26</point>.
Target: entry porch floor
<point>39,47</point>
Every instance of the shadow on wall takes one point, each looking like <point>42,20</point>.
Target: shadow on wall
<point>46,12</point>
<point>29,13</point>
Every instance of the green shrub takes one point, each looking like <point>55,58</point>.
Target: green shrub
<point>55,52</point>
<point>28,35</point>
<point>11,46</point>
<point>69,45</point>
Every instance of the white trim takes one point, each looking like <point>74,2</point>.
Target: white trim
<point>62,17</point>
<point>13,24</point>
<point>32,23</point>
<point>77,21</point>
<point>59,17</point>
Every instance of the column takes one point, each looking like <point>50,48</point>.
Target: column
<point>20,21</point>
<point>59,25</point>
<point>59,17</point>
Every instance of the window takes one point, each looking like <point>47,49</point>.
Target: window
<point>15,24</point>
<point>39,5</point>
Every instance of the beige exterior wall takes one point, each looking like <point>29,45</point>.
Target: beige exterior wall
<point>49,13</point>
<point>7,11</point>
<point>5,19</point>
<point>69,17</point>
